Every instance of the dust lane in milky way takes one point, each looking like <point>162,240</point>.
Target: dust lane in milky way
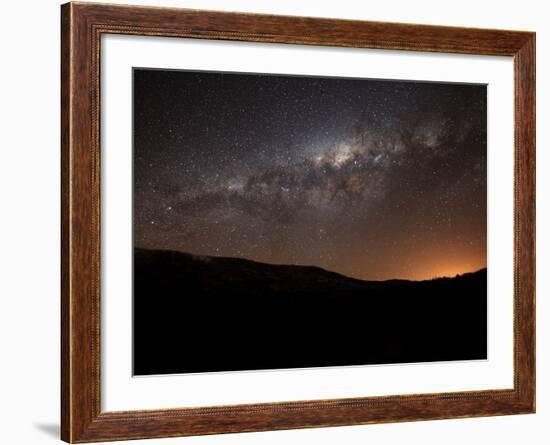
<point>373,179</point>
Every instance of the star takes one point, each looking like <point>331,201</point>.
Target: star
<point>344,174</point>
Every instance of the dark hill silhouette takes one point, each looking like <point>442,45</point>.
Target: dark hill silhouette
<point>198,314</point>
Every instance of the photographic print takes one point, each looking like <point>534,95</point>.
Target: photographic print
<point>285,221</point>
<point>275,222</point>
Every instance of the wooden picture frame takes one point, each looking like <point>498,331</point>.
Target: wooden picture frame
<point>82,25</point>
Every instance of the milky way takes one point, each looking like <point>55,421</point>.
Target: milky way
<point>373,179</point>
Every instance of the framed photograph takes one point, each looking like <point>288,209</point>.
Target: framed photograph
<point>274,222</point>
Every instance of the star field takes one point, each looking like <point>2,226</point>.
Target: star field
<point>369,178</point>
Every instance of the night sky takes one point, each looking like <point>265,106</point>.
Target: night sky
<point>369,178</point>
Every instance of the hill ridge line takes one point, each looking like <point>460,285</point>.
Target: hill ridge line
<point>300,266</point>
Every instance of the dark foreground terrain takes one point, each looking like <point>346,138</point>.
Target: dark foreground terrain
<point>200,314</point>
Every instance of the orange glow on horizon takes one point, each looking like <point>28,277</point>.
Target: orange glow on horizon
<point>447,270</point>
<point>436,262</point>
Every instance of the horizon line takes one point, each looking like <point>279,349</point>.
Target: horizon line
<point>439,277</point>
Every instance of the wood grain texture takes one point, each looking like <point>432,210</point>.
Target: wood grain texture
<point>65,215</point>
<point>82,26</point>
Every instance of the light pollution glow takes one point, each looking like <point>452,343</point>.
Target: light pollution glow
<point>371,179</point>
